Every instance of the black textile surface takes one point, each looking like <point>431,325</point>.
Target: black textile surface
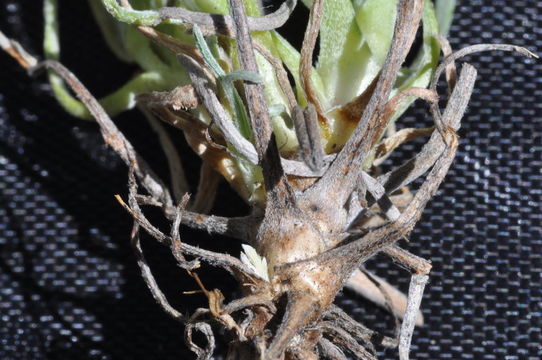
<point>69,285</point>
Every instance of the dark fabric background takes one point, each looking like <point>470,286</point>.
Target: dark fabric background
<point>69,285</point>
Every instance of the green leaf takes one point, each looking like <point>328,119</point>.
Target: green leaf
<point>242,75</point>
<point>141,50</point>
<point>51,42</point>
<point>241,118</point>
<point>419,74</point>
<point>252,7</point>
<point>211,6</point>
<point>117,102</point>
<point>376,20</point>
<point>147,4</point>
<point>339,38</point>
<point>284,133</point>
<point>252,179</point>
<point>137,17</point>
<point>111,30</point>
<point>291,58</point>
<point>421,71</point>
<point>206,53</point>
<point>277,110</point>
<point>445,14</point>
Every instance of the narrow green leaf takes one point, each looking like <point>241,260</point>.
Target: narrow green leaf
<point>208,57</point>
<point>51,42</point>
<point>242,75</point>
<point>111,30</point>
<point>241,117</point>
<point>277,110</point>
<point>291,57</point>
<point>339,38</point>
<point>137,17</point>
<point>252,7</point>
<point>282,126</point>
<point>210,6</point>
<point>445,14</point>
<point>420,72</point>
<point>118,101</point>
<point>140,48</point>
<point>376,20</point>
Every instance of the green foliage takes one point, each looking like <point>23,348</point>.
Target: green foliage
<point>355,36</point>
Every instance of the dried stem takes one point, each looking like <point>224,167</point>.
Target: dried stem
<point>360,332</point>
<point>308,135</point>
<point>281,74</point>
<point>307,49</point>
<point>224,24</point>
<point>386,147</point>
<point>451,71</point>
<point>207,187</point>
<point>16,51</point>
<point>415,292</point>
<point>268,154</point>
<point>330,350</point>
<point>346,341</point>
<point>340,178</point>
<point>418,165</point>
<point>374,289</point>
<point>149,279</point>
<point>111,134</point>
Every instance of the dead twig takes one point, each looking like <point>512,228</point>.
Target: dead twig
<point>207,187</point>
<point>339,179</point>
<point>451,70</point>
<point>407,260</point>
<point>308,135</point>
<point>205,330</point>
<point>386,146</point>
<point>374,289</point>
<point>330,350</point>
<point>16,51</point>
<point>418,165</point>
<point>111,134</point>
<point>268,154</point>
<point>415,292</point>
<point>281,74</point>
<point>224,24</point>
<point>360,332</point>
<point>307,49</point>
<point>345,340</point>
<point>229,263</point>
<point>149,279</point>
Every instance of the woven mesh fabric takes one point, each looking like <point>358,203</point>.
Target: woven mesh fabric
<point>69,285</point>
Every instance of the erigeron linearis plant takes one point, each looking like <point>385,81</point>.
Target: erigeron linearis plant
<point>303,155</point>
